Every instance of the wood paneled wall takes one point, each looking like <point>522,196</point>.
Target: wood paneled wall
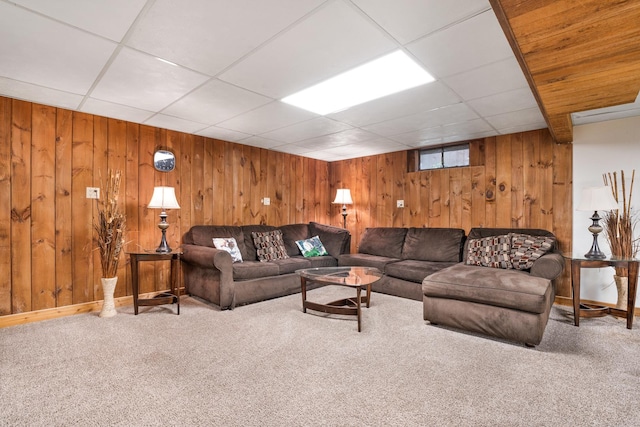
<point>48,156</point>
<point>520,180</point>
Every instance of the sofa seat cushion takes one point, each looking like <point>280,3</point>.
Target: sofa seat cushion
<point>502,288</point>
<point>290,265</point>
<point>366,260</point>
<point>414,270</point>
<point>322,261</point>
<point>254,270</point>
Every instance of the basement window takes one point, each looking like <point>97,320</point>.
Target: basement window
<point>444,157</point>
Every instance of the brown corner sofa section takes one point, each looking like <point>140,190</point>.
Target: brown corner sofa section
<point>504,303</point>
<point>406,256</point>
<point>210,274</point>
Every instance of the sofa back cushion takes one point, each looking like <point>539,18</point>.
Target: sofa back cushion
<point>383,241</point>
<point>337,241</point>
<point>203,235</point>
<point>433,244</point>
<point>291,233</point>
<point>479,233</point>
<point>250,253</point>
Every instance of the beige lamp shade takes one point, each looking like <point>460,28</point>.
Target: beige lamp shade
<point>164,198</point>
<point>597,199</point>
<point>343,197</point>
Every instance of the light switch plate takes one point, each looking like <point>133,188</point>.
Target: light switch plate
<point>400,203</point>
<point>266,201</point>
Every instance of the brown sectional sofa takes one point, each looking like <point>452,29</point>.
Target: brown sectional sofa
<point>406,256</point>
<point>504,303</point>
<point>210,274</point>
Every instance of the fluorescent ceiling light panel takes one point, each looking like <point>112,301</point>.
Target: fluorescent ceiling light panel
<point>381,77</point>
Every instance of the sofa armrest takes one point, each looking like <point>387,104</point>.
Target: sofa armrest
<point>548,266</point>
<point>209,274</point>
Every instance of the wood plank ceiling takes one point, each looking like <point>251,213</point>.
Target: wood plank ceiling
<point>577,55</point>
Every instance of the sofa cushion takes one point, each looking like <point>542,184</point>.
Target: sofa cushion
<point>335,240</point>
<point>290,265</point>
<point>254,270</point>
<point>494,251</point>
<point>365,260</point>
<point>491,286</point>
<point>291,233</point>
<point>414,270</point>
<point>526,249</point>
<point>269,245</point>
<point>203,235</point>
<point>478,233</point>
<point>383,241</point>
<point>433,244</point>
<point>311,247</point>
<point>228,244</point>
<point>250,247</point>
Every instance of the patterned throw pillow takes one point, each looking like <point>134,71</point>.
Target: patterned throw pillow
<point>230,245</point>
<point>311,247</point>
<point>525,249</point>
<point>269,245</point>
<point>493,251</point>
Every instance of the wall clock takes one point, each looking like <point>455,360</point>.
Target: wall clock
<point>164,161</point>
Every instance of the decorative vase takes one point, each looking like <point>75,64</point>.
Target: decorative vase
<point>622,285</point>
<point>108,306</point>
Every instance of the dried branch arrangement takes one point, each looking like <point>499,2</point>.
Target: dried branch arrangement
<point>619,225</point>
<point>110,226</point>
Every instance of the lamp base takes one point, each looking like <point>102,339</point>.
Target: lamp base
<point>163,225</point>
<point>595,228</point>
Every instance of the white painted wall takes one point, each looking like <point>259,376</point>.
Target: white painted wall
<point>598,148</point>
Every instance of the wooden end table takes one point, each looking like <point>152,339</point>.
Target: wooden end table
<point>354,277</point>
<point>590,310</point>
<point>171,297</point>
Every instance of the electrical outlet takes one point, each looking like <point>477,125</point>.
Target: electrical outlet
<point>93,193</point>
<point>266,201</point>
<point>400,203</point>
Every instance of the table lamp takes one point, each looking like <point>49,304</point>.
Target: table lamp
<point>164,198</point>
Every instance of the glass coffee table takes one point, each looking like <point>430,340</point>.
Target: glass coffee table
<point>354,277</point>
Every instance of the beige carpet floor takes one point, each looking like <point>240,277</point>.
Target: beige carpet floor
<point>268,364</point>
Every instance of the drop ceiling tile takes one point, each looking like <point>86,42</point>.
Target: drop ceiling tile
<point>208,36</point>
<point>336,38</point>
<point>459,130</point>
<point>351,136</point>
<point>451,114</point>
<point>215,102</point>
<point>40,51</point>
<point>116,111</point>
<point>267,118</point>
<point>222,134</point>
<point>142,81</point>
<point>513,100</point>
<point>108,18</point>
<point>174,123</point>
<point>258,141</point>
<point>462,47</point>
<point>324,156</point>
<point>516,118</point>
<point>523,128</point>
<point>488,80</point>
<point>407,20</point>
<point>421,98</point>
<point>39,94</point>
<point>293,149</point>
<point>305,130</point>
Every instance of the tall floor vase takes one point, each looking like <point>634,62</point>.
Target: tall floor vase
<point>108,288</point>
<point>622,285</point>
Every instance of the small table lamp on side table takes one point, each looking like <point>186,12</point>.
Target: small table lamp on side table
<point>596,199</point>
<point>163,198</point>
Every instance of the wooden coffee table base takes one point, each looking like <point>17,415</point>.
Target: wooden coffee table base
<point>347,306</point>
